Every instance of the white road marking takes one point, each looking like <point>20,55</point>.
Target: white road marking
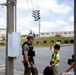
<point>2,67</point>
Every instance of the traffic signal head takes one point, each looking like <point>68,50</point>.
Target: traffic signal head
<point>36,14</point>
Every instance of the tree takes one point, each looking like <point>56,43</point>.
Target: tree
<point>30,32</point>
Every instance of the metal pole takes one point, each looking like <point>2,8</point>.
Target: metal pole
<point>39,32</point>
<point>10,28</point>
<point>15,16</point>
<point>54,40</point>
<point>75,36</point>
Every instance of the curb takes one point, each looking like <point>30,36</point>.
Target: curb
<point>64,45</point>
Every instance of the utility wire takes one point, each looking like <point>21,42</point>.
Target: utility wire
<point>32,4</point>
<point>29,6</point>
<point>38,4</point>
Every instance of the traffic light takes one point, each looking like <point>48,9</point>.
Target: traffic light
<point>33,13</point>
<point>36,14</point>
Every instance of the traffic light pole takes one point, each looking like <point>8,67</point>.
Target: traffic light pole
<point>9,70</point>
<point>39,32</point>
<point>75,36</point>
<point>36,15</point>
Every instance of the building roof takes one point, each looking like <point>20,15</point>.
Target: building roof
<point>2,29</point>
<point>58,32</point>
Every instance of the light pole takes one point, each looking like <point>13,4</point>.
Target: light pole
<point>75,36</point>
<point>39,32</point>
<point>9,70</point>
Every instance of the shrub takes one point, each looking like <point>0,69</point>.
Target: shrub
<point>71,41</point>
<point>66,41</point>
<point>45,42</point>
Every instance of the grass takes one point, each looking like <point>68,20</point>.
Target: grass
<point>3,42</point>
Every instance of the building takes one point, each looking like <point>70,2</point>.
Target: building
<point>53,34</point>
<point>2,33</point>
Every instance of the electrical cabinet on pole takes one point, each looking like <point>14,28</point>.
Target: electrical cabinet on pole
<point>75,36</point>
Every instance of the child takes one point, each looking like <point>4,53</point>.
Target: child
<point>48,71</point>
<point>55,59</point>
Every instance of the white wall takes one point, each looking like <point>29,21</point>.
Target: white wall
<point>2,33</point>
<point>63,34</point>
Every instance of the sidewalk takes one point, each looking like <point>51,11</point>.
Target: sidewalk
<point>63,45</point>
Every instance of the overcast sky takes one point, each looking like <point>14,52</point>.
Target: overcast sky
<point>56,15</point>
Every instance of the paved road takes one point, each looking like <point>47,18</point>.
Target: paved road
<point>42,58</point>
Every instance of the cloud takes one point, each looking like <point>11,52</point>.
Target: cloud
<point>35,29</point>
<point>45,6</point>
<point>68,28</point>
<point>2,22</point>
<point>61,22</point>
<point>25,21</point>
<point>59,25</point>
<point>53,6</point>
<point>21,4</point>
<point>2,1</point>
<point>25,24</point>
<point>71,18</point>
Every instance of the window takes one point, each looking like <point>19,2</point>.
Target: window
<point>42,33</point>
<point>65,33</point>
<point>69,32</point>
<point>47,33</point>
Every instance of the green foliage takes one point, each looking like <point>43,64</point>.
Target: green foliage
<point>48,39</point>
<point>23,35</point>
